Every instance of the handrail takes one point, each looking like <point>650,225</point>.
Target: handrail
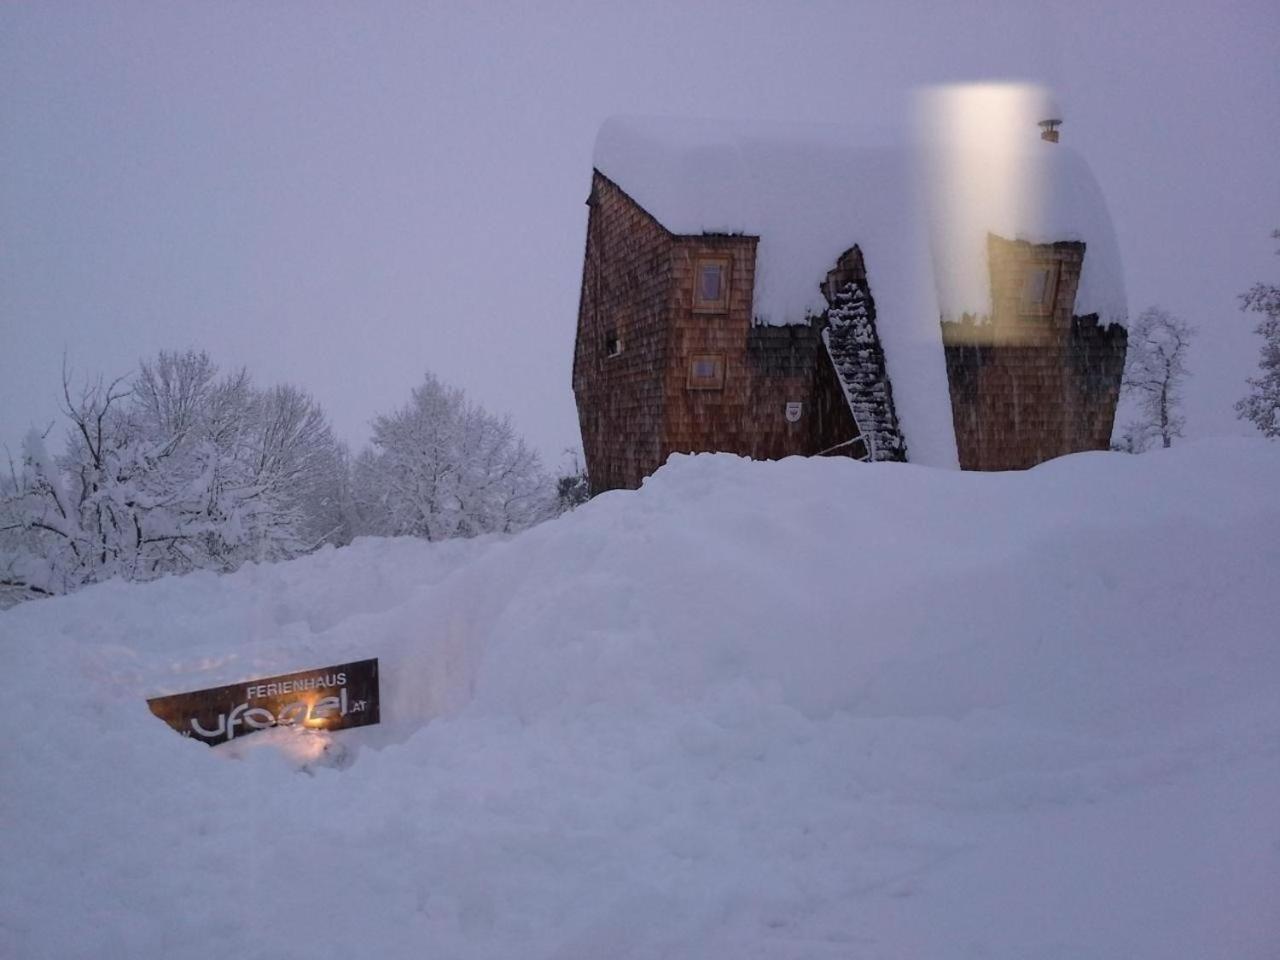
<point>868,456</point>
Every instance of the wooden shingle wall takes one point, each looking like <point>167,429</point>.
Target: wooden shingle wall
<point>1030,384</point>
<point>709,419</point>
<point>766,368</point>
<point>640,331</point>
<point>626,294</point>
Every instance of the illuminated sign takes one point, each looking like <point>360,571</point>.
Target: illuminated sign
<point>329,698</point>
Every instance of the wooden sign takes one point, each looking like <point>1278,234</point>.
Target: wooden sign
<point>329,698</point>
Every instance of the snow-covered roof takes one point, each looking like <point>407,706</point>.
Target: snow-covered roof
<point>920,209</point>
<point>804,190</point>
<point>810,191</point>
<point>983,168</point>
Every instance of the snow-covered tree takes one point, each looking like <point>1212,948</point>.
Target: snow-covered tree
<point>175,470</point>
<point>298,464</point>
<point>1262,405</point>
<point>1155,370</point>
<point>442,467</point>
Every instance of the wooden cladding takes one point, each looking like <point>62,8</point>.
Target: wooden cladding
<point>623,333</point>
<point>1033,381</point>
<point>668,359</point>
<point>1030,382</point>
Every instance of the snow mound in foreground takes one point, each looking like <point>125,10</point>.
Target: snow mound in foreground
<point>812,708</point>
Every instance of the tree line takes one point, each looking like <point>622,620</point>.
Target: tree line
<point>182,467</point>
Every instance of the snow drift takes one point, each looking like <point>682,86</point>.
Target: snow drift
<point>812,708</point>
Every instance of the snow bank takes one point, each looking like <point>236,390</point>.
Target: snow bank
<point>812,708</point>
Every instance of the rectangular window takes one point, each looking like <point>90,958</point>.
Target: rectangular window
<point>710,282</point>
<point>612,343</point>
<point>1037,287</point>
<point>711,285</point>
<point>1039,290</point>
<point>706,372</point>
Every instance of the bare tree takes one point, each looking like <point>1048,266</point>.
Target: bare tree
<point>1155,370</point>
<point>172,393</point>
<point>1262,405</point>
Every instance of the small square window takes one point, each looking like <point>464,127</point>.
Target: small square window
<point>612,343</point>
<point>706,372</point>
<point>711,285</point>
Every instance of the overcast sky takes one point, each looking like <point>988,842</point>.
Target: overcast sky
<point>344,196</point>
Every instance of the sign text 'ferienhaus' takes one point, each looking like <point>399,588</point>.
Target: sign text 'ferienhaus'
<point>328,698</point>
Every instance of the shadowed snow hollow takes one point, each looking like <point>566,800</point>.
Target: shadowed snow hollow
<point>812,708</point>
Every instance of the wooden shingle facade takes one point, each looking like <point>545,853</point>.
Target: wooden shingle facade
<point>1033,381</point>
<point>660,369</point>
<point>672,356</point>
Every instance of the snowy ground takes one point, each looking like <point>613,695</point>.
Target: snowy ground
<point>809,709</point>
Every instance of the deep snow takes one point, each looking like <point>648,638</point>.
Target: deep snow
<point>813,708</point>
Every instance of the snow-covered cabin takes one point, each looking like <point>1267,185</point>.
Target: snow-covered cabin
<point>771,290</point>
